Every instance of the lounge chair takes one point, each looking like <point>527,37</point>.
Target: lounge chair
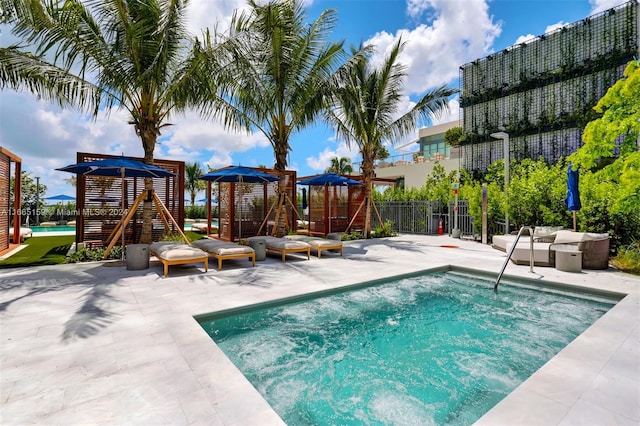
<point>199,227</point>
<point>223,250</point>
<point>24,233</point>
<point>176,253</point>
<point>284,246</point>
<point>318,244</point>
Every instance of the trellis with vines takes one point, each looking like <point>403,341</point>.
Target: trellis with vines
<point>541,92</point>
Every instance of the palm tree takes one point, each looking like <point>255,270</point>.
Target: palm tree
<point>192,184</point>
<point>341,166</point>
<point>133,54</point>
<point>284,69</point>
<point>365,108</point>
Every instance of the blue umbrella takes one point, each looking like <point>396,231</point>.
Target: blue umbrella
<point>329,179</point>
<point>61,197</point>
<point>238,174</point>
<point>117,166</point>
<point>573,192</point>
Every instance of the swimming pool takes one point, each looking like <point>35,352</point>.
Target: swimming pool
<point>433,349</point>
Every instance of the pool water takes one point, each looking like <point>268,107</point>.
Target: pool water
<point>441,348</point>
<point>60,228</point>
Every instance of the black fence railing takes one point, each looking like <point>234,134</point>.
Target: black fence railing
<point>423,217</point>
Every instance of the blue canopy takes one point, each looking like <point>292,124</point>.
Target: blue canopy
<point>61,197</point>
<point>117,166</point>
<point>573,192</point>
<point>239,174</point>
<point>329,179</point>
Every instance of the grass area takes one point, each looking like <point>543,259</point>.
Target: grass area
<point>40,251</point>
<point>52,251</point>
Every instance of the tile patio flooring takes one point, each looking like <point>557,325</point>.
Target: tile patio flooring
<point>96,344</point>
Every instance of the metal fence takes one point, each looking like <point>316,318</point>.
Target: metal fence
<point>423,217</point>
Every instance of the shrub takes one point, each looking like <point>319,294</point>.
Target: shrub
<point>85,255</point>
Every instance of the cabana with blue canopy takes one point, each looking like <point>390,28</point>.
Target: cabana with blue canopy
<point>326,180</point>
<point>237,174</point>
<point>125,167</point>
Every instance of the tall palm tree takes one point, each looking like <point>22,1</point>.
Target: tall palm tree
<point>284,69</point>
<point>95,54</point>
<point>341,166</point>
<point>365,107</point>
<point>192,171</point>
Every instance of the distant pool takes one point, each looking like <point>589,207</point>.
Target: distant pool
<point>439,348</point>
<point>61,228</point>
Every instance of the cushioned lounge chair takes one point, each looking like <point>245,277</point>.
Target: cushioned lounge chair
<point>222,250</point>
<point>176,253</point>
<point>318,244</point>
<point>284,246</point>
<point>24,233</point>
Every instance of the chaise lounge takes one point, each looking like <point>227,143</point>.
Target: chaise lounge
<point>177,253</point>
<point>318,244</point>
<point>222,250</point>
<point>284,246</point>
<point>24,233</point>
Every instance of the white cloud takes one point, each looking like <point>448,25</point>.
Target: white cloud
<point>323,159</point>
<point>456,32</point>
<point>602,5</point>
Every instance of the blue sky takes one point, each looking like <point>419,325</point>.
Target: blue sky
<point>441,35</point>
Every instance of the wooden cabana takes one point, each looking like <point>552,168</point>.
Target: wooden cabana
<point>332,209</point>
<point>100,204</point>
<point>249,209</point>
<point>11,212</point>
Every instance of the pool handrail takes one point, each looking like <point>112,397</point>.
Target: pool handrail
<point>513,247</point>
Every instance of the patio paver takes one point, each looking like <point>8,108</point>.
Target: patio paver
<point>94,344</point>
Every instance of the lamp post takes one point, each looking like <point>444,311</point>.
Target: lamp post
<point>505,139</point>
<point>37,200</point>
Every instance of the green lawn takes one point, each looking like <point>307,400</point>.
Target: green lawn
<point>40,251</point>
<point>51,251</point>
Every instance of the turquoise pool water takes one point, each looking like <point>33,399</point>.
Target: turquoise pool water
<point>60,228</point>
<point>441,348</point>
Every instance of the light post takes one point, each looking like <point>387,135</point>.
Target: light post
<point>37,200</point>
<point>505,139</point>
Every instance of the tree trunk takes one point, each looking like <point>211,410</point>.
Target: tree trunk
<point>368,174</point>
<point>280,151</point>
<point>149,143</point>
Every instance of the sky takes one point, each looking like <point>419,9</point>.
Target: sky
<point>440,36</point>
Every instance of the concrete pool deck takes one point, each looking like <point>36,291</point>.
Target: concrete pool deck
<point>97,344</point>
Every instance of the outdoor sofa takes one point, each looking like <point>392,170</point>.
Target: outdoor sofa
<point>177,253</point>
<point>223,250</point>
<point>594,247</point>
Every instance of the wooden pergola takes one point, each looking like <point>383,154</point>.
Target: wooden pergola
<point>247,209</point>
<point>100,204</point>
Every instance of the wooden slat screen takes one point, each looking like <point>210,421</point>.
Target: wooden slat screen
<point>5,200</point>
